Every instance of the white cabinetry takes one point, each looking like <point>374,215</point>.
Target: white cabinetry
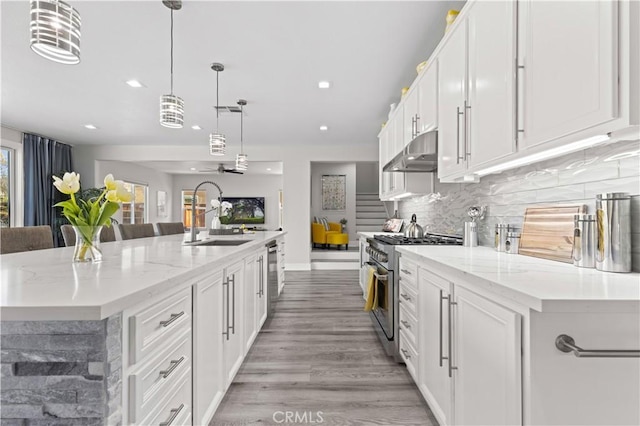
<point>476,90</point>
<point>250,300</point>
<point>568,67</point>
<point>428,99</point>
<point>281,266</point>
<point>208,377</point>
<point>470,355</point>
<point>364,266</point>
<point>410,115</point>
<point>232,313</point>
<point>261,288</point>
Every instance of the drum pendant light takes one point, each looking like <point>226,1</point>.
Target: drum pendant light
<point>55,31</point>
<point>242,161</point>
<point>217,141</point>
<point>172,106</point>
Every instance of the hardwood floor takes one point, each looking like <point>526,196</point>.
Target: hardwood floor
<point>319,358</point>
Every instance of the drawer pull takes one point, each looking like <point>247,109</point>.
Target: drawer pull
<point>174,365</point>
<point>405,297</point>
<point>405,353</point>
<point>173,318</point>
<point>406,271</point>
<point>405,323</point>
<point>172,417</point>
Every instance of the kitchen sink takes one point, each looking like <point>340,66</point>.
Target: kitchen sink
<point>219,243</point>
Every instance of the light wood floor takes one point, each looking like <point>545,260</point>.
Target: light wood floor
<point>320,353</point>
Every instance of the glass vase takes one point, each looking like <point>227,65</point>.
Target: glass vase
<point>215,223</point>
<point>87,247</point>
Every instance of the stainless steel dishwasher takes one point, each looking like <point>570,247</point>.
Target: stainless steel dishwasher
<point>272,278</point>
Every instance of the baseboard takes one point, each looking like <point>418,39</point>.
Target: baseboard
<point>297,267</point>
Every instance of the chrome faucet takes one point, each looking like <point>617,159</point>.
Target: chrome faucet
<point>194,233</point>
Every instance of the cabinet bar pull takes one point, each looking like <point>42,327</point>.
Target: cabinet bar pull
<point>405,271</point>
<point>566,343</point>
<point>518,82</point>
<point>467,143</point>
<point>225,283</point>
<point>451,368</point>
<point>174,364</point>
<point>458,113</point>
<point>404,352</point>
<point>405,297</point>
<point>233,303</point>
<point>413,127</point>
<point>173,318</point>
<point>172,417</point>
<point>417,128</point>
<point>442,358</point>
<point>405,323</point>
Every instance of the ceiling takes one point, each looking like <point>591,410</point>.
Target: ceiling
<point>211,167</point>
<point>275,53</point>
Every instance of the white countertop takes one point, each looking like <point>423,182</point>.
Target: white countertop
<point>47,285</point>
<point>540,284</point>
<point>371,234</point>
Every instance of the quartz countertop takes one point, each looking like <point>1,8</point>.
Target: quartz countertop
<point>539,284</point>
<point>47,285</point>
<point>371,234</point>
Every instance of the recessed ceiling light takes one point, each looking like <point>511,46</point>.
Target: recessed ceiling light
<point>268,169</point>
<point>324,84</point>
<point>196,127</point>
<point>192,169</point>
<point>324,128</point>
<point>90,127</point>
<point>135,83</point>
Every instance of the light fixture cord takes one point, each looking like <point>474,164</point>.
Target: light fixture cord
<point>241,127</point>
<point>172,51</point>
<point>217,100</point>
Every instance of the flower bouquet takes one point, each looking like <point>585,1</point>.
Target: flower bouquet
<point>219,209</point>
<point>89,216</point>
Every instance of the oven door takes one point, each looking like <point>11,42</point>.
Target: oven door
<point>384,309</point>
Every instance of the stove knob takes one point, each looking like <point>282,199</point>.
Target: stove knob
<point>383,258</point>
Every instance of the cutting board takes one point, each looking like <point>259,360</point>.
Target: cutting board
<point>548,232</point>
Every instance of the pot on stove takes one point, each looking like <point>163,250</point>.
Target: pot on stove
<point>413,229</point>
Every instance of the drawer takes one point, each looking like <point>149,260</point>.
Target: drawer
<point>409,356</point>
<point>150,328</point>
<point>409,271</point>
<point>175,408</point>
<point>408,298</point>
<point>149,385</point>
<point>409,325</point>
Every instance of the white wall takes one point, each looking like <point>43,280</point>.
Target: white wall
<point>232,185</point>
<point>367,177</point>
<point>134,173</point>
<point>347,169</point>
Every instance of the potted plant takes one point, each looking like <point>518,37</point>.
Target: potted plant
<point>343,222</point>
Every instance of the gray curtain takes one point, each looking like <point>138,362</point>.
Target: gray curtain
<point>44,158</point>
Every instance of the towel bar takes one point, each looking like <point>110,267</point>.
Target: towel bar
<point>566,343</point>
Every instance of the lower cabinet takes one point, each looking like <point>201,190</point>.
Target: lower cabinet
<point>233,349</point>
<point>280,262</point>
<point>470,364</point>
<point>255,296</point>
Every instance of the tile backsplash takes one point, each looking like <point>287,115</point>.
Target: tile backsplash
<point>572,179</point>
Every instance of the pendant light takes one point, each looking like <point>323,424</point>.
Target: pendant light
<point>217,141</point>
<point>242,161</point>
<point>55,31</point>
<point>172,106</point>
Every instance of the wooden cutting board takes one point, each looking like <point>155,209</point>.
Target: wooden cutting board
<point>548,232</point>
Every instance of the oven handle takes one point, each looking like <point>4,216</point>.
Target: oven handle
<point>381,277</point>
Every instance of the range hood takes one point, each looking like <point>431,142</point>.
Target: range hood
<point>420,155</point>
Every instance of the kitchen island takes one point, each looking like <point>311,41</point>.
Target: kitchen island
<point>157,330</point>
<point>487,344</point>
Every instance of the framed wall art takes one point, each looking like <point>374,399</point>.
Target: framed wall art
<point>162,203</point>
<point>334,192</point>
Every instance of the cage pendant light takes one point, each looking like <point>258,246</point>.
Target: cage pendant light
<point>242,161</point>
<point>217,141</point>
<point>172,106</point>
<point>55,31</point>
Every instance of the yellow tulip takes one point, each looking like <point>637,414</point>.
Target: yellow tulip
<point>112,196</point>
<point>69,184</point>
<point>122,193</point>
<point>109,182</point>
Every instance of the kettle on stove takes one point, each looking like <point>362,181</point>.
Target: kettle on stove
<point>414,230</point>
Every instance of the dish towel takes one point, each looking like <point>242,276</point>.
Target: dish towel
<point>372,293</point>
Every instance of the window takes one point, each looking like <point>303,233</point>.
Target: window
<point>6,181</point>
<point>135,211</point>
<point>201,208</point>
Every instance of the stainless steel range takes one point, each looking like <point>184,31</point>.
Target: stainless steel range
<point>385,259</point>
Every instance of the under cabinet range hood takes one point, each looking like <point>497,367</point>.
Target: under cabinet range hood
<point>420,155</point>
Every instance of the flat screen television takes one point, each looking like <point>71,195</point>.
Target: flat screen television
<point>244,210</point>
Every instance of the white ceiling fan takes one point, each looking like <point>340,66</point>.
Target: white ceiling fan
<point>221,169</point>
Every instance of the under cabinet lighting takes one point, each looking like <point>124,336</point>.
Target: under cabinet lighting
<point>404,195</point>
<point>324,84</point>
<point>554,152</point>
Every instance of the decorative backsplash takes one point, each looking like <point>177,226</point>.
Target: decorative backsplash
<point>572,179</point>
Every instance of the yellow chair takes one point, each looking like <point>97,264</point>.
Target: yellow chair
<point>319,234</point>
<point>338,240</point>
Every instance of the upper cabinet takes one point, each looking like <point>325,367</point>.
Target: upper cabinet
<point>567,67</point>
<point>476,90</point>
<point>428,99</point>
